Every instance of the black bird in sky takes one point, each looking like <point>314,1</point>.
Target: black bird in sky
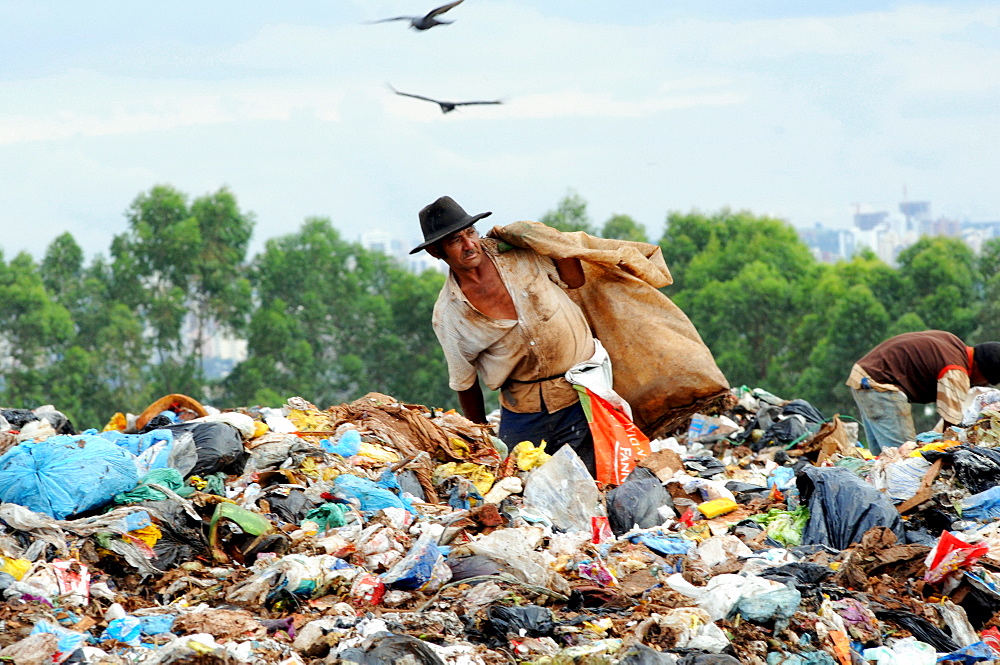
<point>446,107</point>
<point>428,20</point>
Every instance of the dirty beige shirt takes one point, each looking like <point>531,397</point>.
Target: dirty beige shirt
<point>549,336</point>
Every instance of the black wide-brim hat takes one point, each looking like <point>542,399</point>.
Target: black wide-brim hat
<point>442,218</point>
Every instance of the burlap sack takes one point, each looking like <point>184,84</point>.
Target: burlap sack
<point>661,366</point>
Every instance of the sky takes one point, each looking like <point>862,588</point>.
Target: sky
<point>798,110</point>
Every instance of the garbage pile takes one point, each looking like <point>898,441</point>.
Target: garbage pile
<point>382,532</point>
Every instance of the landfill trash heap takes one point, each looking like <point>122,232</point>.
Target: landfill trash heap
<point>382,532</point>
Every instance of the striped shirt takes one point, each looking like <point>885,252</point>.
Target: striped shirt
<point>549,336</point>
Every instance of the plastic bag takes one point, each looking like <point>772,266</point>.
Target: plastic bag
<point>920,628</point>
<point>422,568</point>
<point>984,506</point>
<point>529,456</point>
<point>219,447</point>
<point>951,553</point>
<point>563,490</point>
<point>618,443</point>
<point>526,621</point>
<point>372,497</point>
<point>513,547</point>
<point>640,654</point>
<point>346,446</point>
<point>777,606</point>
<point>842,507</point>
<point>974,653</point>
<point>975,467</point>
<point>168,478</point>
<point>906,651</point>
<point>65,475</point>
<point>639,501</point>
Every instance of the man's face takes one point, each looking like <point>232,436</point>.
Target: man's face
<point>463,249</point>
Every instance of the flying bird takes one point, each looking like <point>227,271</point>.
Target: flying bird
<point>427,21</point>
<point>446,107</point>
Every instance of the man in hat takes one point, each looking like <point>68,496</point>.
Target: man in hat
<point>918,367</point>
<point>505,317</point>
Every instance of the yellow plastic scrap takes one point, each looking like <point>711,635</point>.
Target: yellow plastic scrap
<point>459,447</point>
<point>480,476</point>
<point>377,453</point>
<point>528,456</point>
<point>310,421</point>
<point>197,482</point>
<point>260,428</point>
<point>16,568</point>
<point>309,468</point>
<point>149,534</point>
<point>117,423</point>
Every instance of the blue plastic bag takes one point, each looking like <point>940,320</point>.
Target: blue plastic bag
<point>69,640</point>
<point>984,506</point>
<point>663,545</point>
<point>128,629</point>
<point>974,653</point>
<point>347,445</point>
<point>152,449</point>
<point>65,475</point>
<point>372,497</point>
<point>423,567</point>
<point>157,624</point>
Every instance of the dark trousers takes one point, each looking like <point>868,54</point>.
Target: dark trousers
<point>564,427</point>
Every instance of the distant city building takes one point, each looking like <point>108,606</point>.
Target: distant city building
<point>887,234</point>
<point>380,241</point>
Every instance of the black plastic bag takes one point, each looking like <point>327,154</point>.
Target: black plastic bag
<point>705,466</point>
<point>800,407</point>
<point>842,507</point>
<point>799,574</point>
<point>393,649</point>
<point>535,621</point>
<point>921,628</point>
<point>18,418</point>
<point>640,654</point>
<point>291,505</point>
<point>219,447</point>
<point>746,492</point>
<point>782,433</point>
<point>976,468</point>
<point>637,502</point>
<point>981,603</point>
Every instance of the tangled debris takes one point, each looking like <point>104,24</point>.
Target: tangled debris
<point>381,532</point>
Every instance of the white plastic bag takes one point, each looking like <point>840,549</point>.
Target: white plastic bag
<point>563,490</point>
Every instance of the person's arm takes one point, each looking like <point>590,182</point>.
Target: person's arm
<point>473,406</point>
<point>570,272</point>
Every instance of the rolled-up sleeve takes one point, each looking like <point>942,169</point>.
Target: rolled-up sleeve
<point>952,388</point>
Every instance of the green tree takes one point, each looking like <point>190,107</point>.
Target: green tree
<point>34,331</point>
<point>177,261</point>
<point>337,321</point>
<point>941,275</point>
<point>569,215</point>
<point>623,227</point>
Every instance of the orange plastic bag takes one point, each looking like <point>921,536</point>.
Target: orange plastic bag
<point>618,443</point>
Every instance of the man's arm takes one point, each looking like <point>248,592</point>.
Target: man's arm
<point>570,272</point>
<point>473,406</point>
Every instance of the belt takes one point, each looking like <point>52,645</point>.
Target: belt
<point>547,378</point>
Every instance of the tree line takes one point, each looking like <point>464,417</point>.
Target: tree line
<point>329,320</point>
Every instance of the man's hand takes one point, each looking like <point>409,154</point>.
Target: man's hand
<point>473,406</point>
